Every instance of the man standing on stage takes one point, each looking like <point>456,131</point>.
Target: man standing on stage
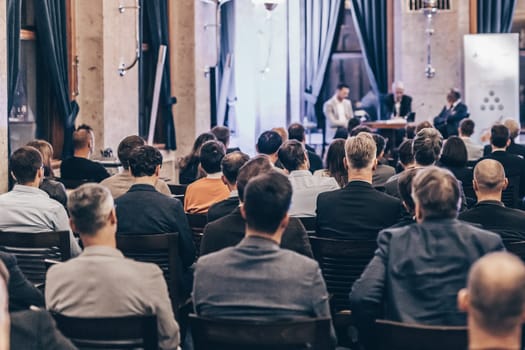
<point>337,110</point>
<point>447,122</point>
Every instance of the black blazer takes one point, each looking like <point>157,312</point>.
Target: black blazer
<point>404,109</point>
<point>357,211</point>
<point>228,231</point>
<point>76,168</point>
<point>447,122</point>
<point>513,148</point>
<point>22,294</point>
<point>513,165</point>
<point>36,330</point>
<point>222,208</point>
<point>494,216</point>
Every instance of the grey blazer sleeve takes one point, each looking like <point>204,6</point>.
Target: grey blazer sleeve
<point>320,300</point>
<point>330,114</point>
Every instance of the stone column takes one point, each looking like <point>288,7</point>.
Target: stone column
<point>4,154</point>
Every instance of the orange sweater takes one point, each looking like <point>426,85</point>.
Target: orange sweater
<point>203,193</point>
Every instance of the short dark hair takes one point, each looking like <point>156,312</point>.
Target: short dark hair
<point>352,124</point>
<point>343,86</point>
<point>427,145</point>
<point>455,93</point>
<point>82,135</point>
<point>256,166</point>
<point>231,163</point>
<point>143,160</point>
<point>406,155</point>
<point>267,199</point>
<point>211,156</point>
<point>222,134</point>
<point>359,129</point>
<point>292,155</point>
<point>499,135</point>
<point>404,186</point>
<point>269,142</point>
<point>380,143</point>
<point>454,153</point>
<point>296,131</point>
<point>467,127</point>
<point>125,147</point>
<point>24,164</point>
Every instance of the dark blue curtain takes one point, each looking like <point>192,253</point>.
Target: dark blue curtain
<point>156,12</point>
<point>14,13</point>
<point>371,25</point>
<point>495,16</point>
<point>52,47</point>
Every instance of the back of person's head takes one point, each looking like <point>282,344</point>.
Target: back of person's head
<point>513,126</point>
<point>46,150</point>
<point>269,142</point>
<point>341,86</point>
<point>83,137</point>
<point>436,192</point>
<point>255,166</point>
<point>380,144</point>
<point>222,134</point>
<point>296,131</point>
<point>489,176</point>
<point>352,124</point>
<point>267,198</point>
<point>292,154</point>
<point>282,132</point>
<point>495,295</point>
<point>410,131</point>
<point>90,206</point>
<point>426,146</point>
<point>424,125</point>
<point>404,186</point>
<point>406,155</point>
<point>125,147</point>
<point>360,151</point>
<point>232,163</point>
<point>335,161</point>
<point>144,160</point>
<point>359,129</point>
<point>499,135</point>
<point>24,163</point>
<point>454,153</point>
<point>200,140</point>
<point>466,127</point>
<point>211,156</point>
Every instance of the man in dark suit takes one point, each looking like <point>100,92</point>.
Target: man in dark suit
<point>397,103</point>
<point>144,210</point>
<point>514,165</point>
<point>230,165</point>
<point>256,279</point>
<point>489,211</point>
<point>229,230</point>
<point>357,211</point>
<point>297,132</point>
<point>514,148</point>
<point>447,122</point>
<point>418,269</point>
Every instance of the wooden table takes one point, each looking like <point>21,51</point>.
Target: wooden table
<point>389,125</point>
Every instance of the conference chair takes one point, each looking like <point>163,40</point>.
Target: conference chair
<point>517,248</point>
<point>197,223</point>
<point>129,332</point>
<point>222,334</point>
<point>71,184</point>
<point>510,196</point>
<point>309,224</point>
<point>32,249</point>
<point>178,191</point>
<point>399,336</point>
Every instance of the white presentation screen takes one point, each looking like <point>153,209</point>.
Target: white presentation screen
<point>491,78</point>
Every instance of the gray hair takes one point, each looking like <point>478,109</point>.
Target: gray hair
<point>398,84</point>
<point>360,151</point>
<point>89,207</point>
<point>437,193</point>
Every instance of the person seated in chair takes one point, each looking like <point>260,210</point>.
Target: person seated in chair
<point>297,132</point>
<point>447,122</point>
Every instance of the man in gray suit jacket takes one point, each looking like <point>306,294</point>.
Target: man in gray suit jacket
<point>101,282</point>
<point>256,280</point>
<point>337,111</point>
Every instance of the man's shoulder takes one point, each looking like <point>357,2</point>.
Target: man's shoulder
<point>330,195</point>
<point>229,222</point>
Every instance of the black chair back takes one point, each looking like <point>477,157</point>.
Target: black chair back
<point>399,336</point>
<point>342,262</point>
<point>31,250</point>
<point>130,332</point>
<point>517,248</point>
<point>220,334</point>
<point>510,196</point>
<point>197,222</point>
<point>178,191</point>
<point>71,184</point>
<point>309,224</point>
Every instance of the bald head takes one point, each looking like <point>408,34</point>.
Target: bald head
<point>496,289</point>
<point>489,176</point>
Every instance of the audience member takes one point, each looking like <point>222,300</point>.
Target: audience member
<point>357,211</point>
<point>282,132</point>
<point>269,143</point>
<point>204,192</point>
<point>229,230</point>
<point>54,189</point>
<point>490,212</point>
<point>454,157</point>
<point>189,170</point>
<point>383,172</point>
<point>466,129</point>
<point>144,210</point>
<point>405,157</point>
<point>418,269</point>
<point>27,208</point>
<point>80,167</point>
<point>447,121</point>
<point>297,132</point>
<point>101,282</point>
<point>359,129</point>
<point>495,302</point>
<point>230,164</point>
<point>352,124</point>
<point>405,192</point>
<point>513,164</point>
<point>424,125</point>
<point>305,186</point>
<point>120,183</point>
<point>513,148</point>
<point>269,283</point>
<point>222,134</point>
<point>335,166</point>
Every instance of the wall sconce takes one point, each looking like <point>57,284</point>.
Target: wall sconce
<point>123,67</point>
<point>270,5</point>
<point>429,10</point>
